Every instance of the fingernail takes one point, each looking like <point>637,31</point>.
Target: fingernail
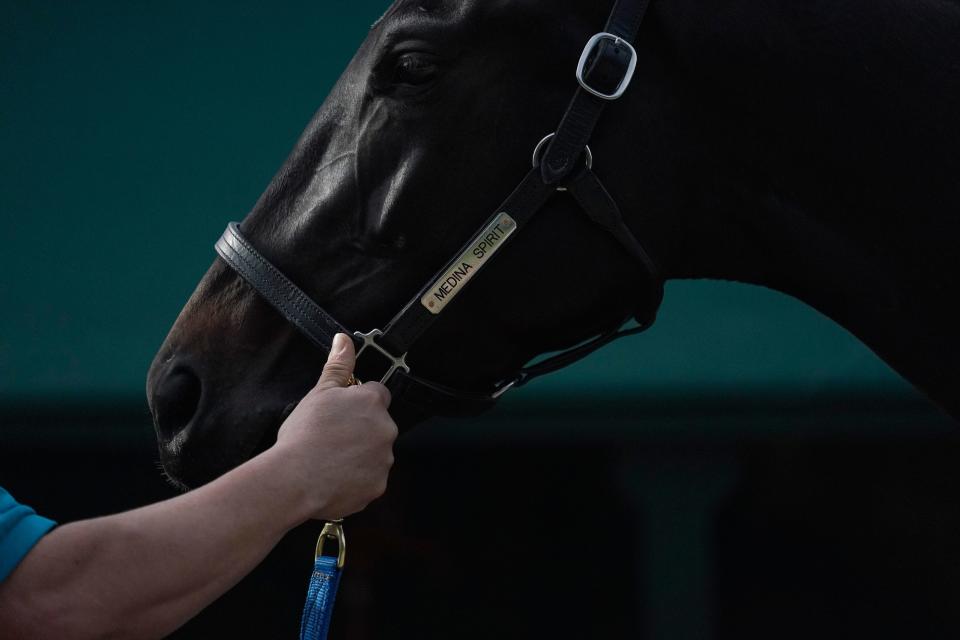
<point>339,345</point>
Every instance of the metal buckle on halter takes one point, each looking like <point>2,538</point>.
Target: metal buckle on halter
<point>394,362</point>
<point>627,74</point>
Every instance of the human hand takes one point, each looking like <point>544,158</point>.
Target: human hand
<point>336,447</point>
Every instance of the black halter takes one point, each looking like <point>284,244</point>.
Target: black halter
<point>604,72</point>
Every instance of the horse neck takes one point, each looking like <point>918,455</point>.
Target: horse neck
<point>768,151</point>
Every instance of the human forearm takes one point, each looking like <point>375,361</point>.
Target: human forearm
<point>142,573</point>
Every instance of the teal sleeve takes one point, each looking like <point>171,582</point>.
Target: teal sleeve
<point>20,529</point>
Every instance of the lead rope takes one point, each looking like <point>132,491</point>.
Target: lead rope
<point>322,591</point>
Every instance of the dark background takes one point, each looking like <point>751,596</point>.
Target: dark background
<point>744,470</point>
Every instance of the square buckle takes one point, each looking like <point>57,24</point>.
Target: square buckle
<point>392,363</point>
<point>627,74</point>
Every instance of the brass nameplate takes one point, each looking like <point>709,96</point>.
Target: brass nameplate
<point>481,249</point>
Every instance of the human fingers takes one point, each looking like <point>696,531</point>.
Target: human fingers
<point>380,391</point>
<point>339,365</point>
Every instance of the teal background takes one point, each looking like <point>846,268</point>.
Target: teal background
<point>131,132</point>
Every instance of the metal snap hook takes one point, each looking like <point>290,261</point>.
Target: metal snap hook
<point>333,531</point>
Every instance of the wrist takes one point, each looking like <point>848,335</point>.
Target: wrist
<point>295,486</point>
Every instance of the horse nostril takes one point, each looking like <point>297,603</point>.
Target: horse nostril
<point>176,398</point>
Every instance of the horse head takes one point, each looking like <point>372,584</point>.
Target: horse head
<point>781,146</point>
<point>430,126</point>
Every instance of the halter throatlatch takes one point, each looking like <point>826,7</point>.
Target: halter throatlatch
<point>604,72</point>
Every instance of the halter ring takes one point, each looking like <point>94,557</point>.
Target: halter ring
<point>541,146</point>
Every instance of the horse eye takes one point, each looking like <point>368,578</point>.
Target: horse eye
<point>414,69</point>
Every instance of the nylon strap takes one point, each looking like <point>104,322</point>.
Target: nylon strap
<point>286,297</point>
<point>600,207</point>
<point>564,150</point>
<point>410,323</point>
<point>321,595</point>
<point>568,357</point>
<point>585,109</point>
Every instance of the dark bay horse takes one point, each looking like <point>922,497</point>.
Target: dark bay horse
<point>810,147</point>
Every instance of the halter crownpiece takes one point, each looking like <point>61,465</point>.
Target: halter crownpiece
<point>603,73</point>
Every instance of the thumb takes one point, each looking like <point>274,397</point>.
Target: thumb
<point>339,365</point>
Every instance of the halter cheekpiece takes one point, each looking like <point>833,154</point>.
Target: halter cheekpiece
<point>603,73</point>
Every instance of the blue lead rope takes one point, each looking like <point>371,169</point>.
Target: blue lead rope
<point>320,597</point>
<point>324,581</point>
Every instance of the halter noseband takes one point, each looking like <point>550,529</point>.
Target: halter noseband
<point>603,73</point>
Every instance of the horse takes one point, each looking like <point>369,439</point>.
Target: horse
<point>805,147</point>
